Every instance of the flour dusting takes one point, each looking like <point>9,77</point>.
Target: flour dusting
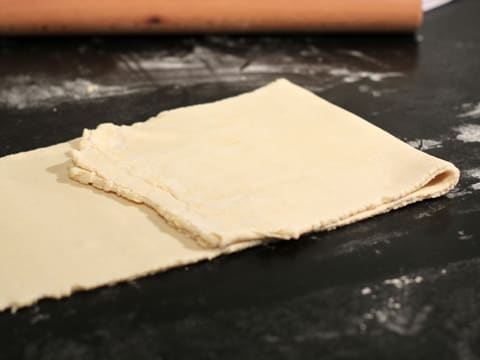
<point>396,317</point>
<point>473,173</point>
<point>352,76</point>
<point>403,281</point>
<point>23,91</point>
<point>463,236</point>
<point>360,55</point>
<point>366,89</point>
<point>366,291</point>
<point>431,210</point>
<point>468,133</point>
<point>199,57</point>
<point>458,193</point>
<point>469,174</point>
<point>474,112</point>
<point>425,144</point>
<point>201,65</point>
<point>194,65</point>
<point>406,323</point>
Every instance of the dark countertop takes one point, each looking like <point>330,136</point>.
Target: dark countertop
<point>400,286</point>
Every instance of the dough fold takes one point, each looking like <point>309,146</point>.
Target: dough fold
<point>276,162</point>
<point>58,236</point>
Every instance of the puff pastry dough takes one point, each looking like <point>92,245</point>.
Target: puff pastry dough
<point>276,162</point>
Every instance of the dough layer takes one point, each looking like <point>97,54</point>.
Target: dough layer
<point>58,236</point>
<point>276,162</point>
<point>273,163</point>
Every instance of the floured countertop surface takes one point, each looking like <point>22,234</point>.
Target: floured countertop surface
<point>399,286</point>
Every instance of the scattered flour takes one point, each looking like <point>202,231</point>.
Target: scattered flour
<point>39,317</point>
<point>392,309</point>
<point>366,291</point>
<point>363,56</point>
<point>22,91</point>
<point>462,236</point>
<point>393,304</point>
<point>406,323</point>
<point>199,57</point>
<point>397,319</point>
<point>473,173</point>
<point>431,210</point>
<point>220,62</point>
<point>456,193</point>
<point>374,92</point>
<point>425,144</point>
<point>352,76</point>
<point>468,133</point>
<point>199,65</point>
<point>166,63</point>
<point>403,281</point>
<point>474,112</point>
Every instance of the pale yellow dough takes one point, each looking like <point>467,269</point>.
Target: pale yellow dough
<point>276,162</point>
<point>273,163</point>
<point>58,236</point>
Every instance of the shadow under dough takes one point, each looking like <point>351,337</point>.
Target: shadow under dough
<point>61,173</point>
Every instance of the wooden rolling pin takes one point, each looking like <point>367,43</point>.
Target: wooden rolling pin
<point>200,16</point>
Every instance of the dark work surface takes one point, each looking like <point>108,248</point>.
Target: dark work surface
<point>330,295</point>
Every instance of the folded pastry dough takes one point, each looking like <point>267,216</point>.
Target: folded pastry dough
<point>276,162</point>
<point>58,236</point>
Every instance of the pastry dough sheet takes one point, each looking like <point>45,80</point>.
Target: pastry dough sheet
<point>58,236</point>
<point>276,162</point>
